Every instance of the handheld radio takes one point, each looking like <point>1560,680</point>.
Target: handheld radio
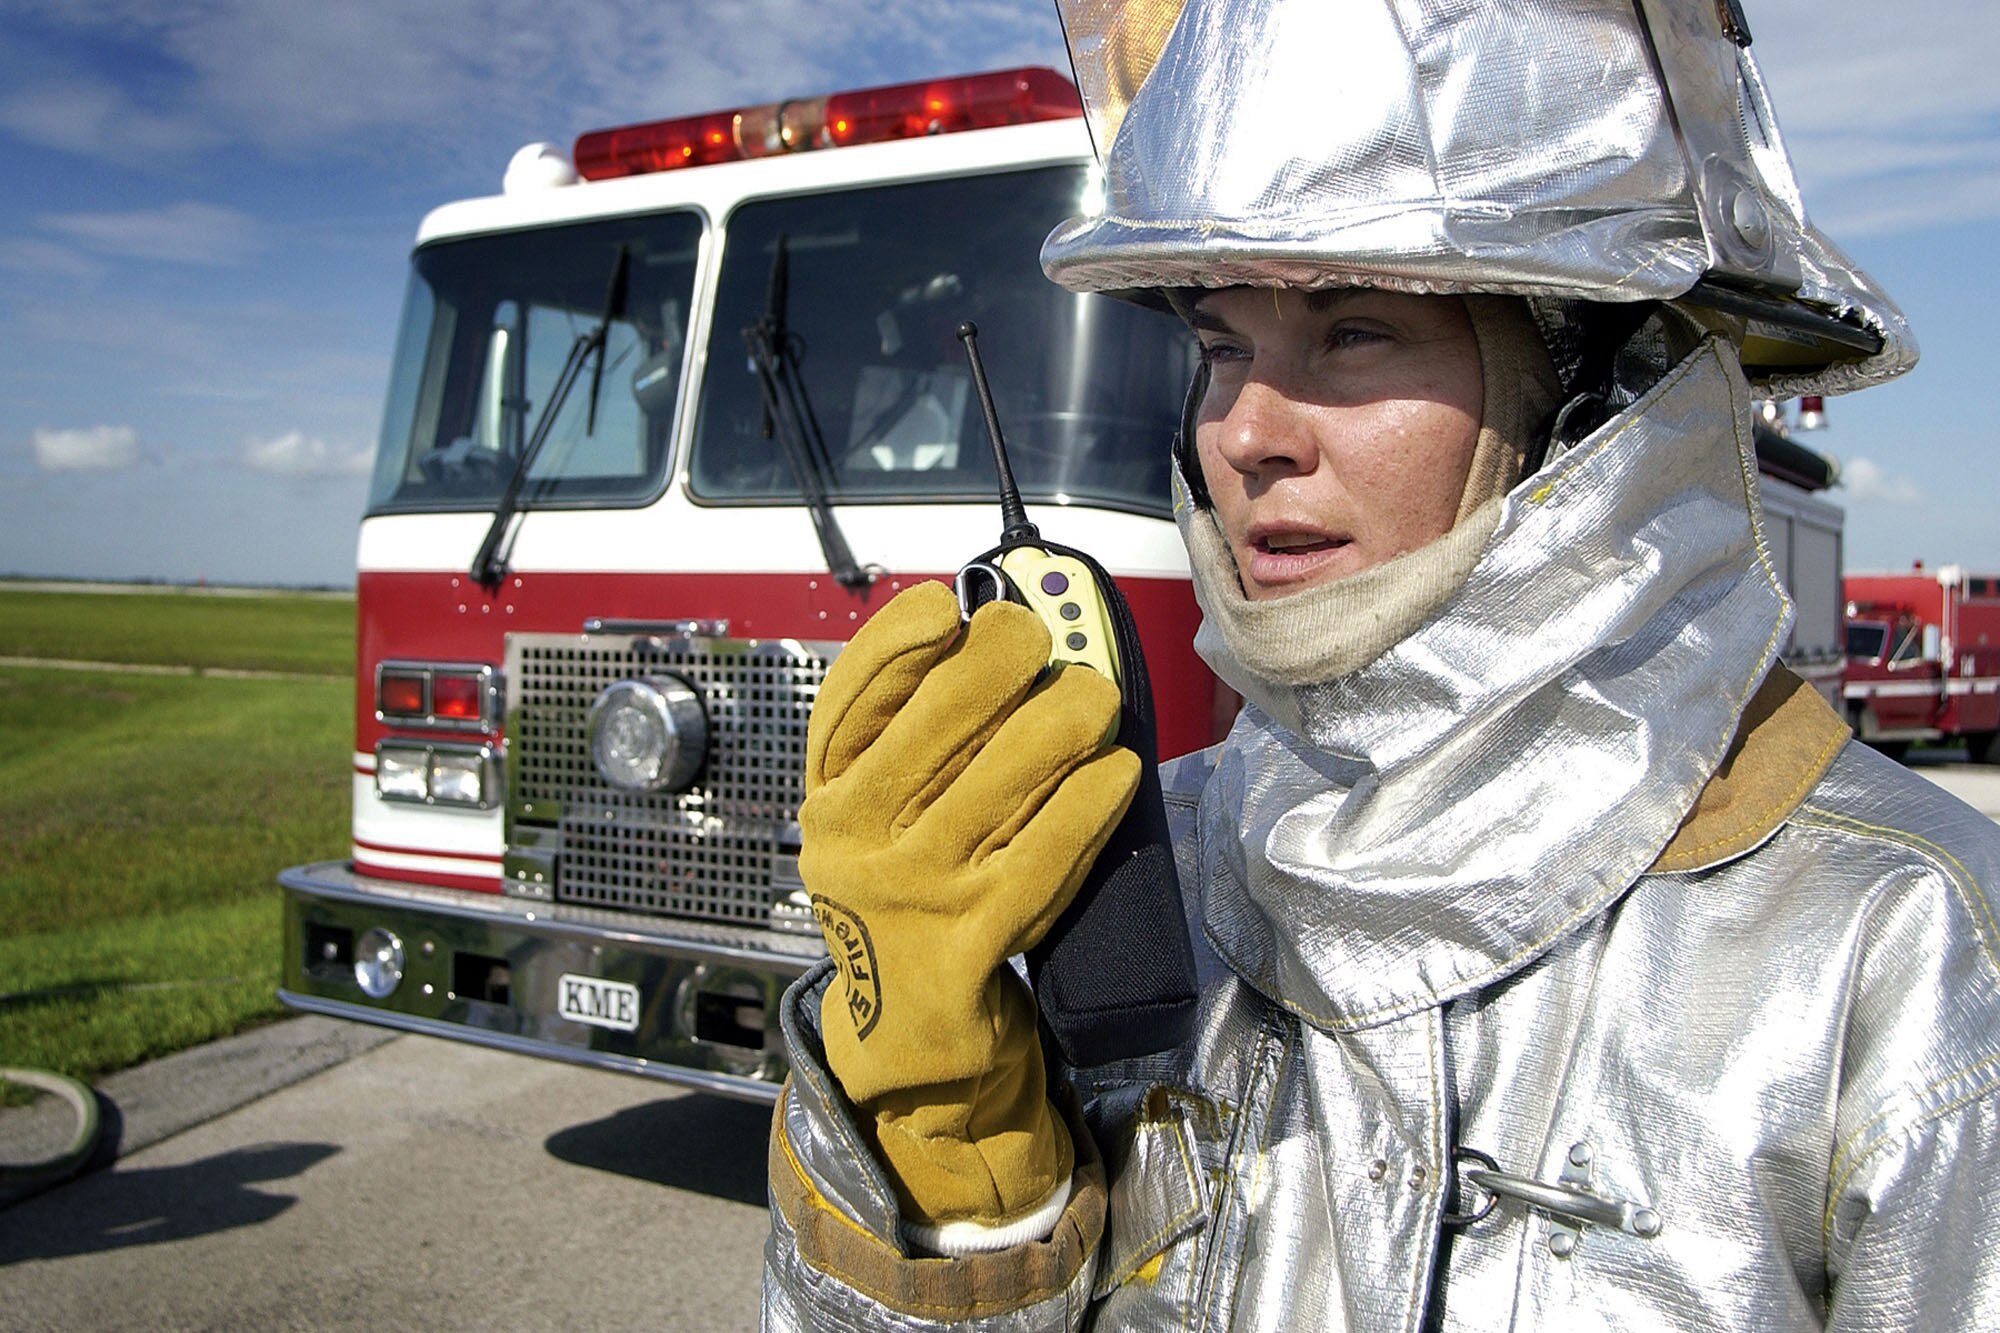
<point>1115,976</point>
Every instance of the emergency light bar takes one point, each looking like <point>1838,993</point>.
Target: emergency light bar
<point>870,115</point>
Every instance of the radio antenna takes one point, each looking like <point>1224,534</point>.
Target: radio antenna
<point>1015,527</point>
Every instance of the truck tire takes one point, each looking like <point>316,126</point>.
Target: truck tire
<point>1896,750</point>
<point>1979,746</point>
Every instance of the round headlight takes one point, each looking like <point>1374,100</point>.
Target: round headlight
<point>648,735</point>
<point>378,963</point>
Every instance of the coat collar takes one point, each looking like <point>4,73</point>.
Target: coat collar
<point>1785,743</point>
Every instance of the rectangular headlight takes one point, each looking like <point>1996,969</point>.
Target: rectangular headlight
<point>441,774</point>
<point>402,772</point>
<point>458,777</point>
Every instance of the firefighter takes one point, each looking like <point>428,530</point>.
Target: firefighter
<point>1563,963</point>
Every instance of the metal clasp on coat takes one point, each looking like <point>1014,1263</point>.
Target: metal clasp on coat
<point>1570,1204</point>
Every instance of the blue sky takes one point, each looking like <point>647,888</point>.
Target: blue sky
<point>209,206</point>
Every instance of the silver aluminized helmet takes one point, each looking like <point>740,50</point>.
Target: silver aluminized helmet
<point>1602,150</point>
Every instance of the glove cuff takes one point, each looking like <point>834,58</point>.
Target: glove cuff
<point>954,1239</point>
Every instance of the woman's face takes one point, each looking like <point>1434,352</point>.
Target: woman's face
<point>1338,427</point>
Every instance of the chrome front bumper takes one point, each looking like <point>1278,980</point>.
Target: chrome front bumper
<point>488,969</point>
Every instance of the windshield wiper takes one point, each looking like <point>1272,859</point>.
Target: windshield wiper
<point>788,416</point>
<point>489,566</point>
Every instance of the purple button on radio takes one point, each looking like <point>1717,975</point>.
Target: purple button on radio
<point>1055,584</point>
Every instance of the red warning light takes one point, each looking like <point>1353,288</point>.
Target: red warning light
<point>870,115</point>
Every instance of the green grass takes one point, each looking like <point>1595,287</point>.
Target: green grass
<point>143,819</point>
<point>174,627</point>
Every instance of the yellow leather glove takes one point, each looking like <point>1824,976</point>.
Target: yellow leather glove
<point>952,809</point>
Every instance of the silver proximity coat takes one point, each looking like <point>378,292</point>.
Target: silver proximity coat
<point>1569,905</point>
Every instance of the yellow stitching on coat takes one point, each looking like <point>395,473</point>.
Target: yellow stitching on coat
<point>813,1196</point>
<point>1882,1115</point>
<point>1963,881</point>
<point>1837,1188</point>
<point>1966,887</point>
<point>1159,1237</point>
<point>977,1306</point>
<point>1269,1079</point>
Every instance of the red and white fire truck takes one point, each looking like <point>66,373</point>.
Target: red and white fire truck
<point>668,419</point>
<point>1923,658</point>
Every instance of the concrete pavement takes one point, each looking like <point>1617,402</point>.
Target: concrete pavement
<point>158,1100</point>
<point>1978,785</point>
<point>420,1184</point>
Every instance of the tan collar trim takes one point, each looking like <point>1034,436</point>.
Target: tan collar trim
<point>1786,738</point>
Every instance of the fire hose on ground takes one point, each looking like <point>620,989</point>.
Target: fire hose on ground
<point>53,1170</point>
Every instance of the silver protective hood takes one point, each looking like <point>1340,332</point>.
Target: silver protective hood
<point>1516,762</point>
<point>1604,150</point>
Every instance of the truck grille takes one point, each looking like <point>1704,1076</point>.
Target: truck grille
<point>711,852</point>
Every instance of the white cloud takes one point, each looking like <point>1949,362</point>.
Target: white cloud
<point>307,77</point>
<point>1891,118</point>
<point>97,449</point>
<point>1865,480</point>
<point>83,114</point>
<point>185,233</point>
<point>294,454</point>
<point>1878,104</point>
<point>45,258</point>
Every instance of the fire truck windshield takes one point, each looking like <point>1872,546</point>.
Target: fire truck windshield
<point>487,328</point>
<point>1865,638</point>
<point>877,281</point>
<point>1088,389</point>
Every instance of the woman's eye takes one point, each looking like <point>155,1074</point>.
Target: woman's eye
<point>1353,335</point>
<point>1215,352</point>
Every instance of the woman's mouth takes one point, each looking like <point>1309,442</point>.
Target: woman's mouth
<point>1294,543</point>
<point>1281,561</point>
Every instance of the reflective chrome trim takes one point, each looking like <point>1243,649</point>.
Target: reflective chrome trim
<point>673,629</point>
<point>726,1085</point>
<point>1913,689</point>
<point>488,970</point>
<point>715,851</point>
<point>337,881</point>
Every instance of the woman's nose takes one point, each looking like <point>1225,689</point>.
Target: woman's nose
<point>1264,430</point>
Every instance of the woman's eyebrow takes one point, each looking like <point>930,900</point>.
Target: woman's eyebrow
<point>1322,299</point>
<point>1201,320</point>
<point>1318,301</point>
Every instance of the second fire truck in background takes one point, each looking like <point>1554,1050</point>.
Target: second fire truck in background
<point>1923,659</point>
